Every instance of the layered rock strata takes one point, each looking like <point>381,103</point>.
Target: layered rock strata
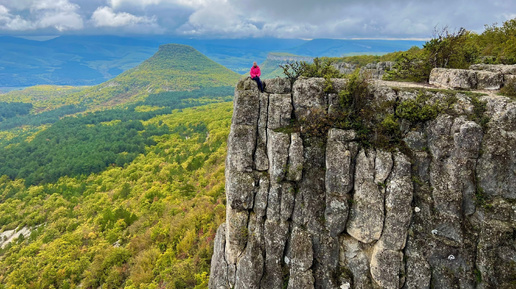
<point>307,211</point>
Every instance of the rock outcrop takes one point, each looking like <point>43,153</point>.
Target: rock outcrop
<point>479,76</point>
<point>312,211</point>
<point>371,70</point>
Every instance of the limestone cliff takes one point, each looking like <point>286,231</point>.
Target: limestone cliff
<point>330,211</point>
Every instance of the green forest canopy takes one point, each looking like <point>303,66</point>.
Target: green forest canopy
<point>147,224</point>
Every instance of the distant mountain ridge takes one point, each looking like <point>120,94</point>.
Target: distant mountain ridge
<point>91,60</point>
<point>176,76</point>
<point>174,67</point>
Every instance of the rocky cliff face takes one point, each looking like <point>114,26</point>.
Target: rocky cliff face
<point>312,211</point>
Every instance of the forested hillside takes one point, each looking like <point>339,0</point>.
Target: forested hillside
<point>43,97</point>
<point>148,223</point>
<point>117,185</point>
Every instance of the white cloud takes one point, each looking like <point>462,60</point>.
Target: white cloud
<point>61,21</point>
<point>18,4</point>
<point>509,16</point>
<point>53,5</point>
<point>106,17</point>
<point>12,22</point>
<point>195,3</point>
<point>17,23</point>
<point>249,18</point>
<point>224,20</point>
<point>338,18</point>
<point>3,10</point>
<point>144,3</point>
<point>60,15</point>
<point>139,3</point>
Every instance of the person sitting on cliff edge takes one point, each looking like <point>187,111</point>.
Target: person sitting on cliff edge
<point>255,75</point>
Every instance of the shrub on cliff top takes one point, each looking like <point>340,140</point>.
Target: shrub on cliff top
<point>409,66</point>
<point>320,67</point>
<point>509,88</point>
<point>353,98</point>
<point>417,110</point>
<point>457,49</point>
<point>446,49</point>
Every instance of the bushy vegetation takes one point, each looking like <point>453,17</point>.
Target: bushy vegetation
<point>509,88</point>
<point>88,144</point>
<point>320,67</point>
<point>182,99</point>
<point>270,68</point>
<point>13,109</point>
<point>420,109</point>
<point>147,224</point>
<point>43,97</point>
<point>449,49</point>
<point>409,66</point>
<point>378,123</point>
<point>46,117</point>
<point>498,43</point>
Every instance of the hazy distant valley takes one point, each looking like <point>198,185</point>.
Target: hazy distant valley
<point>91,60</point>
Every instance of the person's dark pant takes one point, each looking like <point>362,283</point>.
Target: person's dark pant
<point>259,82</point>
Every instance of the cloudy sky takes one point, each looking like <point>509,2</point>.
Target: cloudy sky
<point>246,18</point>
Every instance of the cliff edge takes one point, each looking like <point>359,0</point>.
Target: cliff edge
<point>435,208</point>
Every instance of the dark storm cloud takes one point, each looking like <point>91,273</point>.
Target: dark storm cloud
<point>246,18</point>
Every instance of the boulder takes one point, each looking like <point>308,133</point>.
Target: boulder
<point>453,78</point>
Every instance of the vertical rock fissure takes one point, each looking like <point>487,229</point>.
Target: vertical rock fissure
<point>259,156</point>
<point>286,267</point>
<point>248,239</point>
<point>476,270</point>
<point>257,140</point>
<point>384,185</point>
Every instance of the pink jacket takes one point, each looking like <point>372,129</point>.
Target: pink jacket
<point>255,71</point>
